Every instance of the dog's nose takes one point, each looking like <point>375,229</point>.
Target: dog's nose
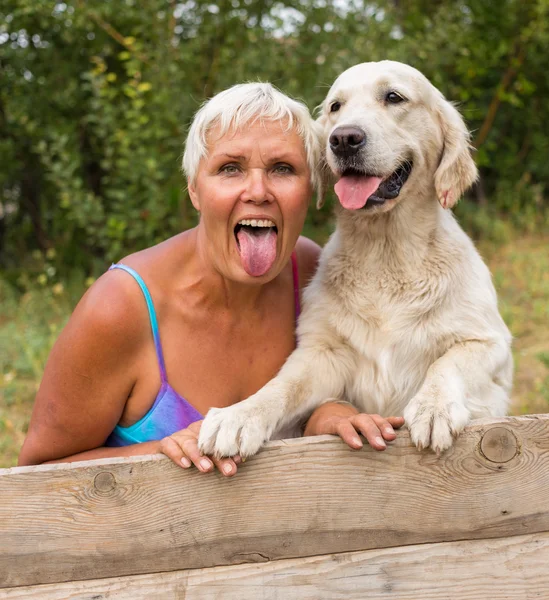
<point>346,141</point>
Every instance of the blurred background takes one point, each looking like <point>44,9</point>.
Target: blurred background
<point>96,97</point>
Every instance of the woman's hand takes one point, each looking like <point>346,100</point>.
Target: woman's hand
<point>345,420</point>
<point>182,448</point>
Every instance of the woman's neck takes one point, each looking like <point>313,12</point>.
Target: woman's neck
<point>216,291</point>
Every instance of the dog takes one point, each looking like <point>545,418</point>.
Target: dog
<point>401,317</point>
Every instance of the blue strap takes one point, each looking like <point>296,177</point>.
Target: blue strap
<point>152,315</point>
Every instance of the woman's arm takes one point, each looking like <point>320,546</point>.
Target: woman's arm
<point>181,447</point>
<point>107,452</point>
<point>89,376</point>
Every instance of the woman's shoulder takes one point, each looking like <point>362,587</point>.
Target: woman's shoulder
<point>117,298</point>
<point>112,308</point>
<point>308,253</point>
<point>116,302</point>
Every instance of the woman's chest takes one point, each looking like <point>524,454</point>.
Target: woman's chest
<point>226,365</point>
<point>212,360</point>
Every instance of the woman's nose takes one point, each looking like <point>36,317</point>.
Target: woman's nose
<point>257,189</point>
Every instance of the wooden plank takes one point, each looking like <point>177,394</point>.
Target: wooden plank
<point>297,498</point>
<point>512,568</point>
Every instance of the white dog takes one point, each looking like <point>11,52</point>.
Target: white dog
<point>401,317</point>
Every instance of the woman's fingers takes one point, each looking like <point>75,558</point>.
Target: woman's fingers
<point>184,452</point>
<point>344,428</point>
<point>226,466</point>
<point>396,422</point>
<point>384,426</point>
<point>376,429</point>
<point>201,462</point>
<point>367,425</point>
<point>171,448</point>
<point>388,425</point>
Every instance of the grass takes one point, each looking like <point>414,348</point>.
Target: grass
<point>31,321</point>
<point>29,325</point>
<point>520,270</point>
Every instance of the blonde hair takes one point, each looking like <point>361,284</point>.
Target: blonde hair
<point>241,105</point>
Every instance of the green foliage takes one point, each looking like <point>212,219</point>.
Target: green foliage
<point>96,95</point>
<point>32,314</point>
<point>520,270</point>
<point>544,357</point>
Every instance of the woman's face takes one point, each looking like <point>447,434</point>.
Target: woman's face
<point>252,191</point>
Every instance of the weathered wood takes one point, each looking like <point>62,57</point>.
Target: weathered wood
<point>297,498</point>
<point>512,568</point>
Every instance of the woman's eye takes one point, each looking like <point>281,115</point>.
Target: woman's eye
<point>229,169</point>
<point>283,169</point>
<point>394,98</point>
<point>335,106</point>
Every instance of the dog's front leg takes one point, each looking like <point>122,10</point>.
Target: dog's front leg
<point>471,380</point>
<point>309,377</point>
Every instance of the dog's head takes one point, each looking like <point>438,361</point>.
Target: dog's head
<point>390,133</point>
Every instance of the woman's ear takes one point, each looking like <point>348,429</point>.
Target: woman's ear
<point>192,193</point>
<point>456,171</point>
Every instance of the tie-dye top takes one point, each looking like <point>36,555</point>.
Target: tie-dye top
<point>170,412</point>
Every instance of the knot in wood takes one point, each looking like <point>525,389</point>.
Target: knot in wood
<point>499,445</point>
<point>104,482</point>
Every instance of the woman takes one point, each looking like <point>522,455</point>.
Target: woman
<point>221,301</point>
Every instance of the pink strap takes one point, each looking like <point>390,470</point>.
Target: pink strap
<point>296,285</point>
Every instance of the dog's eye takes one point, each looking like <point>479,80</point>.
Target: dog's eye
<point>394,98</point>
<point>335,106</point>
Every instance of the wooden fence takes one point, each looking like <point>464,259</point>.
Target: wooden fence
<point>306,519</point>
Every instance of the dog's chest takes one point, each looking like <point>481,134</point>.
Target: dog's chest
<point>387,303</point>
<point>386,319</point>
<point>391,358</point>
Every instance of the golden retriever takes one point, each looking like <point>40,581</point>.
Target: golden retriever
<point>401,317</point>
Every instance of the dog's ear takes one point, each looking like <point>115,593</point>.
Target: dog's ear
<point>456,171</point>
<point>324,176</point>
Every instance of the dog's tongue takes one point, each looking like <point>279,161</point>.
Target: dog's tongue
<point>353,191</point>
<point>257,249</point>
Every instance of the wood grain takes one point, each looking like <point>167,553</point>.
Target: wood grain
<point>512,568</point>
<point>297,498</point>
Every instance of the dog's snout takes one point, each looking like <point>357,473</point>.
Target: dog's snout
<point>346,141</point>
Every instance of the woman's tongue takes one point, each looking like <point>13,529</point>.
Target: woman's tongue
<point>257,249</point>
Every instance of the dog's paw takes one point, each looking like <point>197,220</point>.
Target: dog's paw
<point>239,429</point>
<point>434,420</point>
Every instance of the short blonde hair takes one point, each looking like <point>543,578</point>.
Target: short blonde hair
<point>245,103</point>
